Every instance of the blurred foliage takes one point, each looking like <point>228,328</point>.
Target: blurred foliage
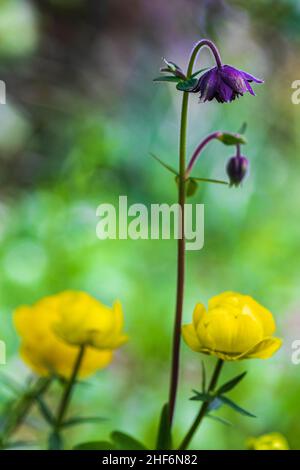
<point>81,119</point>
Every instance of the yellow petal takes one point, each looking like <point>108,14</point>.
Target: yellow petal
<point>190,337</point>
<point>264,349</point>
<point>198,314</point>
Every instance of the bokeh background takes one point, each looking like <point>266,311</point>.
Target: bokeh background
<point>81,118</point>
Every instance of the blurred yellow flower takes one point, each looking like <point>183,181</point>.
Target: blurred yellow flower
<point>273,441</point>
<point>54,327</point>
<point>235,327</point>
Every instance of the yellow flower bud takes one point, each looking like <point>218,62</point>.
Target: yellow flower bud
<point>273,441</point>
<point>234,327</point>
<point>52,329</point>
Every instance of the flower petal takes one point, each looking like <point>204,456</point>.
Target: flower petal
<point>251,78</point>
<point>265,349</point>
<point>190,337</point>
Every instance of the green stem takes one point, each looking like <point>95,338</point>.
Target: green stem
<point>55,438</point>
<point>181,241</point>
<point>186,441</point>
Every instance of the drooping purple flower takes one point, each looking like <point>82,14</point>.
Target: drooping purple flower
<point>237,169</point>
<point>224,83</point>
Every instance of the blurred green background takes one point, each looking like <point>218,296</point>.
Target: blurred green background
<point>81,118</point>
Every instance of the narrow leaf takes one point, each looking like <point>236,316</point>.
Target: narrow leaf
<point>243,128</point>
<point>198,72</point>
<point>45,410</point>
<point>187,85</point>
<point>11,383</point>
<point>209,180</point>
<point>230,384</point>
<point>123,441</point>
<point>171,65</point>
<point>165,165</point>
<point>236,407</point>
<point>203,377</point>
<point>164,438</point>
<point>220,420</point>
<point>81,420</point>
<point>200,396</point>
<point>95,445</point>
<point>167,78</point>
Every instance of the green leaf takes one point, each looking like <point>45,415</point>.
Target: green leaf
<point>164,437</point>
<point>81,420</point>
<point>95,445</point>
<point>209,180</point>
<point>45,410</point>
<point>187,85</point>
<point>191,187</point>
<point>165,165</point>
<point>243,128</point>
<point>198,72</point>
<point>201,396</point>
<point>219,420</point>
<point>230,384</point>
<point>235,407</point>
<point>231,139</point>
<point>167,78</point>
<point>123,441</point>
<point>171,65</point>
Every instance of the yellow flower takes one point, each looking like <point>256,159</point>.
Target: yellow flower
<point>54,327</point>
<point>273,441</point>
<point>234,327</point>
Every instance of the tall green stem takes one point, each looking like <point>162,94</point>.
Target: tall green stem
<point>203,409</point>
<point>181,241</point>
<point>180,260</point>
<point>55,441</point>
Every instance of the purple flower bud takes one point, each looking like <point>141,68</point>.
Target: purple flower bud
<point>224,83</point>
<point>236,169</point>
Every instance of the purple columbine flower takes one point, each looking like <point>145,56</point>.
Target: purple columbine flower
<point>237,168</point>
<point>224,83</point>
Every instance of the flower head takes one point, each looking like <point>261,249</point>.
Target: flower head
<point>234,327</point>
<point>54,327</point>
<point>237,169</point>
<point>224,83</point>
<point>273,441</point>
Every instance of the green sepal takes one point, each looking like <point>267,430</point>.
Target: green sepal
<point>164,437</point>
<point>187,85</point>
<point>228,138</point>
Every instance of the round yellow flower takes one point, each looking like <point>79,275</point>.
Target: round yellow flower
<point>273,441</point>
<point>54,327</point>
<point>235,327</point>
